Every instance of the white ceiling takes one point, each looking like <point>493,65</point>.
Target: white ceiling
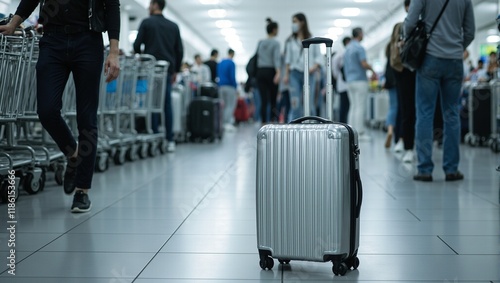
<point>248,19</point>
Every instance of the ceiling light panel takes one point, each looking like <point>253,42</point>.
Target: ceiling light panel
<point>336,30</point>
<point>228,31</point>
<point>217,13</point>
<point>350,12</point>
<point>223,24</point>
<point>342,23</point>
<point>209,2</point>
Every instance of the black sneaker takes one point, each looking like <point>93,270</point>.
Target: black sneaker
<point>455,176</point>
<point>81,202</point>
<point>70,175</point>
<point>423,177</point>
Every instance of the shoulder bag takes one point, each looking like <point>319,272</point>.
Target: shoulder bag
<point>415,46</point>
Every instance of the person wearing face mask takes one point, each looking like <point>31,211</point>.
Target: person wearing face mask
<point>268,72</point>
<point>294,62</point>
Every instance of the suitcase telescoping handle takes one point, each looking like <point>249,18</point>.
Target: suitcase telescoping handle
<point>329,88</point>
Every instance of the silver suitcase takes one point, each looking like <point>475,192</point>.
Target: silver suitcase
<point>309,190</point>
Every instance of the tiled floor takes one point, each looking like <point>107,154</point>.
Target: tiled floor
<point>190,217</point>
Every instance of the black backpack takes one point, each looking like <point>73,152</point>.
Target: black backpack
<point>252,66</point>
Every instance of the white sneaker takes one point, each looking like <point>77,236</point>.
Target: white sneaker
<point>171,147</point>
<point>399,147</point>
<point>408,156</point>
<point>229,128</point>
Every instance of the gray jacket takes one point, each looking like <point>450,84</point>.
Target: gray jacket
<point>454,31</point>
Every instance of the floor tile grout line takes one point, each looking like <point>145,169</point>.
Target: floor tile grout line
<point>439,237</point>
<point>185,219</point>
<point>409,211</point>
<point>139,188</point>
<point>480,197</point>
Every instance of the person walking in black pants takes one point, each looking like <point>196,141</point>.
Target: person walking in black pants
<point>337,67</point>
<point>268,72</point>
<point>69,46</point>
<point>405,86</point>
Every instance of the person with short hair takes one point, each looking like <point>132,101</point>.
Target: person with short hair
<point>200,71</point>
<point>355,66</point>
<point>226,72</point>
<point>212,64</point>
<point>440,73</point>
<point>162,39</point>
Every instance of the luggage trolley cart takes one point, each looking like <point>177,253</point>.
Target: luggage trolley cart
<point>116,114</point>
<point>482,120</point>
<point>28,120</point>
<point>181,98</point>
<point>108,116</point>
<point>149,101</point>
<point>377,108</point>
<point>104,148</point>
<point>495,138</point>
<point>14,54</point>
<point>179,112</point>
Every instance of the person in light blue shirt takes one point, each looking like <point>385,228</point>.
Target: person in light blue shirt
<point>226,72</point>
<point>355,67</point>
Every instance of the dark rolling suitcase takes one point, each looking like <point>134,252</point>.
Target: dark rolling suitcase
<point>481,118</point>
<point>309,189</point>
<point>205,119</point>
<point>209,90</point>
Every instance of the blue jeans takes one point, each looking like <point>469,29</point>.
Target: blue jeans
<point>393,107</point>
<point>257,104</point>
<point>297,94</point>
<point>168,113</point>
<point>82,55</point>
<point>438,76</point>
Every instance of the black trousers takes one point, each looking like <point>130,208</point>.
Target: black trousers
<point>268,93</point>
<point>344,107</point>
<point>405,84</point>
<point>81,54</point>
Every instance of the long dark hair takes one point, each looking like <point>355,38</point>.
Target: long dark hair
<point>305,27</point>
<point>271,26</point>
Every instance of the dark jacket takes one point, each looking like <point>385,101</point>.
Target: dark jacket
<point>105,16</point>
<point>162,39</point>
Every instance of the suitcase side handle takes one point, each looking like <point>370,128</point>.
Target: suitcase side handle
<point>359,188</point>
<point>311,118</point>
<point>317,40</point>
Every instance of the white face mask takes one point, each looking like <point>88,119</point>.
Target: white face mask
<point>295,27</point>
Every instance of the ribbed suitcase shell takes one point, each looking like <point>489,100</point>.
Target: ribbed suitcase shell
<point>304,192</point>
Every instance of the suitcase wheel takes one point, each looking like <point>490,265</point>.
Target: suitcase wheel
<point>353,263</point>
<point>339,268</point>
<point>266,263</point>
<point>284,261</point>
